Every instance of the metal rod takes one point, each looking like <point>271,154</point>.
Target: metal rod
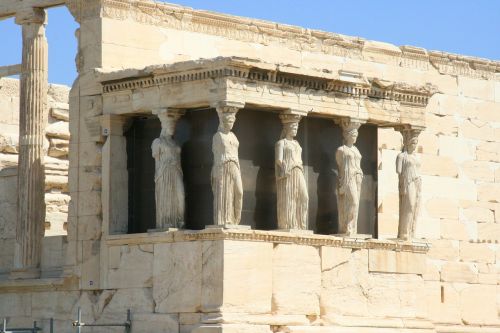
<point>51,325</point>
<point>78,323</point>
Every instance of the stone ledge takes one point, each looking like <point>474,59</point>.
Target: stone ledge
<point>38,285</point>
<point>266,236</point>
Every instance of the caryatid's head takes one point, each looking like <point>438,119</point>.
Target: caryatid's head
<point>168,122</point>
<point>410,140</point>
<point>350,131</point>
<point>290,125</point>
<point>226,120</point>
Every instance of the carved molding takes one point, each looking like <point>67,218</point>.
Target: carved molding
<point>266,33</point>
<point>266,236</point>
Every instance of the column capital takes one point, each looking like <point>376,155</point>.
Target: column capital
<point>290,118</point>
<point>31,16</point>
<point>347,123</point>
<point>410,128</point>
<point>169,112</point>
<point>228,106</point>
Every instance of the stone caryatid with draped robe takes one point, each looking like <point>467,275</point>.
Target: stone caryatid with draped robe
<point>227,186</point>
<point>293,199</point>
<point>407,167</point>
<point>350,178</point>
<point>169,186</point>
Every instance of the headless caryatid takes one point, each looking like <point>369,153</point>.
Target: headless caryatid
<point>350,178</point>
<point>293,199</point>
<point>407,167</point>
<point>226,175</point>
<point>169,186</point>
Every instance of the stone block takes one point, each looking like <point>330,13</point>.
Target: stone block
<point>488,232</point>
<point>478,305</point>
<point>295,293</point>
<point>488,151</point>
<point>454,230</point>
<point>58,129</point>
<point>428,228</point>
<point>248,277</point>
<point>54,304</point>
<point>489,192</point>
<point>90,259</point>
<point>476,88</point>
<point>89,203</point>
<point>332,257</point>
<point>480,109</point>
<point>444,250</point>
<point>477,129</point>
<point>441,125</point>
<point>459,149</point>
<point>155,322</point>
<point>232,328</point>
<point>428,143</point>
<point>477,252</point>
<point>53,251</point>
<point>8,219</point>
<point>442,208</point>
<point>451,188</point>
<point>135,268</point>
<point>212,276</point>
<point>89,227</point>
<point>388,138</point>
<point>459,272</point>
<point>479,170</point>
<point>442,303</point>
<point>383,261</point>
<point>443,166</point>
<point>344,287</point>
<point>15,304</point>
<point>479,214</point>
<point>177,277</point>
<point>387,225</point>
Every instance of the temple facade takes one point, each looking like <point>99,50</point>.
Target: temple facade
<point>212,173</point>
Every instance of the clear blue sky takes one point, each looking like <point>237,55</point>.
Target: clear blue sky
<point>469,27</point>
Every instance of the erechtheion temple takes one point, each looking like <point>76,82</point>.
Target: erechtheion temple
<point>209,173</point>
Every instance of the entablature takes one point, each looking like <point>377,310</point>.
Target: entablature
<point>198,84</point>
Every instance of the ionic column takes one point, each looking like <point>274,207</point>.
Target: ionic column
<point>32,121</point>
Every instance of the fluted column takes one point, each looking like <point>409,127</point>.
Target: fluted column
<point>32,121</point>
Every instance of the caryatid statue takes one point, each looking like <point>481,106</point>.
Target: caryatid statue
<point>293,199</point>
<point>350,178</point>
<point>169,185</point>
<point>407,167</point>
<point>227,187</point>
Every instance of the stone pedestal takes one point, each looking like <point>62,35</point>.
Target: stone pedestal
<point>32,120</point>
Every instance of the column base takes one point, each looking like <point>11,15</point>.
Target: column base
<point>228,226</point>
<point>25,273</point>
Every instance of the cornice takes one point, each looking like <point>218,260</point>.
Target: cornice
<point>214,234</point>
<point>253,70</point>
<point>293,37</point>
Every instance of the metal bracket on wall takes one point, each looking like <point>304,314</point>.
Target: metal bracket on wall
<point>79,324</point>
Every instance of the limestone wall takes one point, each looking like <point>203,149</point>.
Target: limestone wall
<point>56,164</point>
<point>284,286</point>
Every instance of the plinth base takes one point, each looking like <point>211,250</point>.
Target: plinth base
<point>297,231</point>
<point>163,229</point>
<point>228,226</point>
<point>25,273</point>
<point>354,236</point>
